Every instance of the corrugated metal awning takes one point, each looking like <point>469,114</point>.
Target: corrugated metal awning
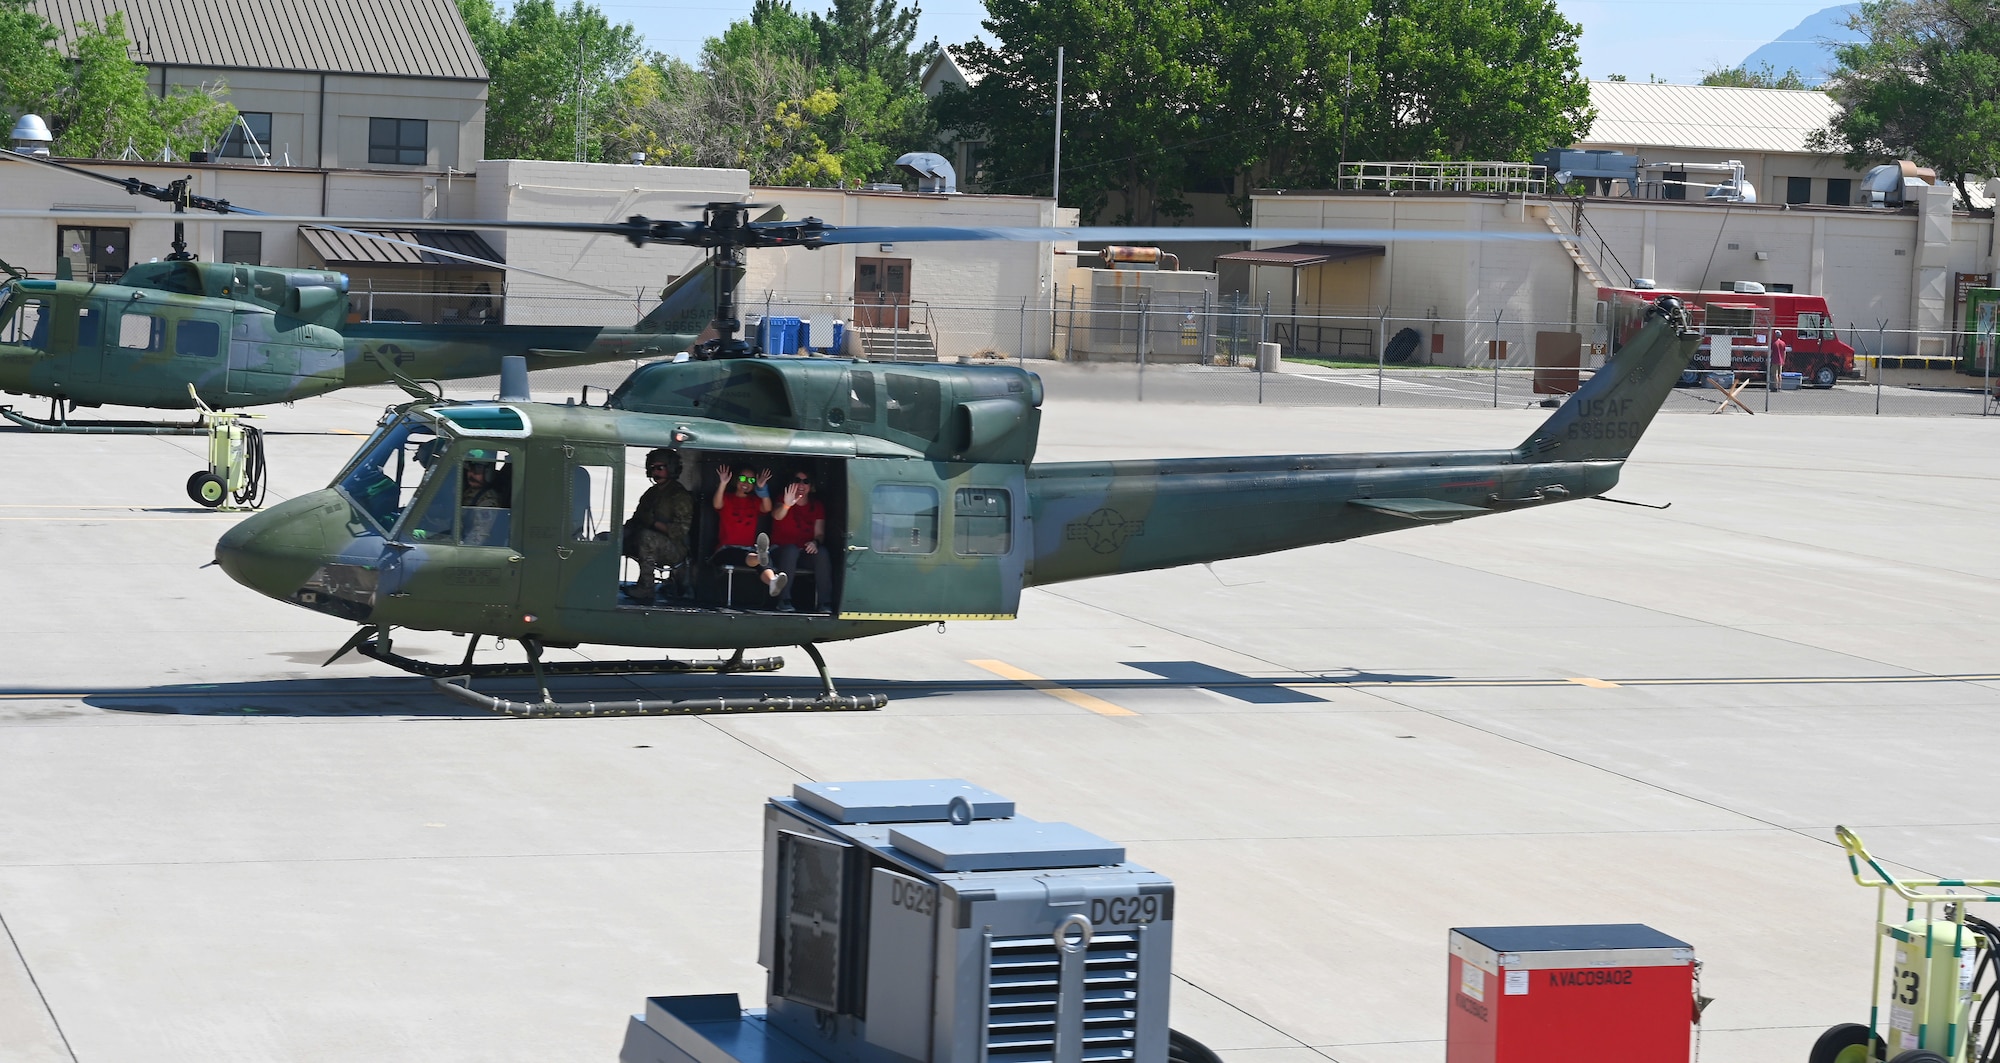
<point>346,249</point>
<point>1301,255</point>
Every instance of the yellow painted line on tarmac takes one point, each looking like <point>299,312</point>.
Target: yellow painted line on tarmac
<point>1594,684</point>
<point>1053,689</point>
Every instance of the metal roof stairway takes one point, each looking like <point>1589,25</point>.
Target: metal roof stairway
<point>897,345</point>
<point>1574,243</point>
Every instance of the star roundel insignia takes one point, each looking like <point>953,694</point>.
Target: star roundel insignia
<point>1104,530</point>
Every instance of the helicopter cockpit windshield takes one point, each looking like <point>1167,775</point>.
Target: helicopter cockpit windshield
<point>391,468</point>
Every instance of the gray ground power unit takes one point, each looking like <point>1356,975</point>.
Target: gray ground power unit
<point>924,921</point>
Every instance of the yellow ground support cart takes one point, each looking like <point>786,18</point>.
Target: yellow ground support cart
<point>1941,977</point>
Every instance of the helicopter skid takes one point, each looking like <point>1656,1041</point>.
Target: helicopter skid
<point>646,707</point>
<point>372,648</point>
<point>95,427</point>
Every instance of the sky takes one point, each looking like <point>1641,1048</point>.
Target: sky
<point>1674,40</point>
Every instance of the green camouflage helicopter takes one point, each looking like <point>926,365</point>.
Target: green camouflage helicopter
<point>181,334</point>
<point>934,508</point>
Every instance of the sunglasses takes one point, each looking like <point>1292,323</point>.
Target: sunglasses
<point>746,479</point>
<point>650,468</point>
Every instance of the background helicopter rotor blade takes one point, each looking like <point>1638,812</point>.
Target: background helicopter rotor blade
<point>1123,234</point>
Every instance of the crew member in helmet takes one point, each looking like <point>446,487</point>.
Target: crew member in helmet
<point>485,486</point>
<point>484,495</point>
<point>657,535</point>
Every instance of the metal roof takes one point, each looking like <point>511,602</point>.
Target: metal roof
<point>1707,117</point>
<point>345,249</point>
<point>398,38</point>
<point>1301,255</point>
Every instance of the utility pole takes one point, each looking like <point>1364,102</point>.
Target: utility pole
<point>1055,192</point>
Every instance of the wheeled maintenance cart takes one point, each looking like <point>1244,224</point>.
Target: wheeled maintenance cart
<point>234,478</point>
<point>923,921</point>
<point>1941,976</point>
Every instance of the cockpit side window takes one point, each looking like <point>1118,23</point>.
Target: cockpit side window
<point>469,501</point>
<point>389,473</point>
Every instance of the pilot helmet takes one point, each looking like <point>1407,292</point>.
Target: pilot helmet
<point>666,456</point>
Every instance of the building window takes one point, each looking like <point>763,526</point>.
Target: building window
<point>399,141</point>
<point>243,248</point>
<point>1798,190</point>
<point>1839,191</point>
<point>94,254</point>
<point>248,138</point>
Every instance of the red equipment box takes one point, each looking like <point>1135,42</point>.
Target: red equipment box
<point>1569,994</point>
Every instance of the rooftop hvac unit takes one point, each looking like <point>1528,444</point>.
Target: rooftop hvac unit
<point>924,922</point>
<point>1893,184</point>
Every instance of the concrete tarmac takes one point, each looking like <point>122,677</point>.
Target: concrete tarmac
<point>214,849</point>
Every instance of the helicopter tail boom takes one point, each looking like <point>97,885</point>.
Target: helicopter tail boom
<point>1608,414</point>
<point>1099,518</point>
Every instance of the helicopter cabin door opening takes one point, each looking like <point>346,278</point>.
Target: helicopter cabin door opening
<point>931,541</point>
<point>712,573</point>
<point>882,292</point>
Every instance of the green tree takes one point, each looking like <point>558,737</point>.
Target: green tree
<point>1141,86</point>
<point>763,99</point>
<point>550,70</point>
<point>31,70</point>
<point>97,103</point>
<point>1764,77</point>
<point>873,37</point>
<point>1923,84</point>
<point>1162,93</point>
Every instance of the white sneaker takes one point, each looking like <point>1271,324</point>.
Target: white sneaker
<point>777,585</point>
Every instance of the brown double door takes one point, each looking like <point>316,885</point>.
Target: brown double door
<point>882,292</point>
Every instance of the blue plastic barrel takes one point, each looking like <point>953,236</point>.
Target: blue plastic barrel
<point>780,335</point>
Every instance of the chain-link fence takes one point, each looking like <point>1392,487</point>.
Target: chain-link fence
<point>1331,355</point>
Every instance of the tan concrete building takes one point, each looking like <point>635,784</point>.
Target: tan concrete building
<point>1765,129</point>
<point>336,84</point>
<point>1462,269</point>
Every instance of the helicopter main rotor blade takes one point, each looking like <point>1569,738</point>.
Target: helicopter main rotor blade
<point>137,187</point>
<point>808,233</point>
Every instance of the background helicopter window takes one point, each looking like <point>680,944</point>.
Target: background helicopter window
<point>398,141</point>
<point>27,324</point>
<point>904,519</point>
<point>860,397</point>
<point>246,248</point>
<point>980,522</point>
<point>592,517</point>
<point>913,405</point>
<point>198,339</point>
<point>142,332</point>
<point>388,475</point>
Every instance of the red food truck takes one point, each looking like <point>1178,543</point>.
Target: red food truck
<point>1749,317</point>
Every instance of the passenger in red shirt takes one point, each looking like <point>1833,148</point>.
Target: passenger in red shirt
<point>798,529</point>
<point>740,499</point>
